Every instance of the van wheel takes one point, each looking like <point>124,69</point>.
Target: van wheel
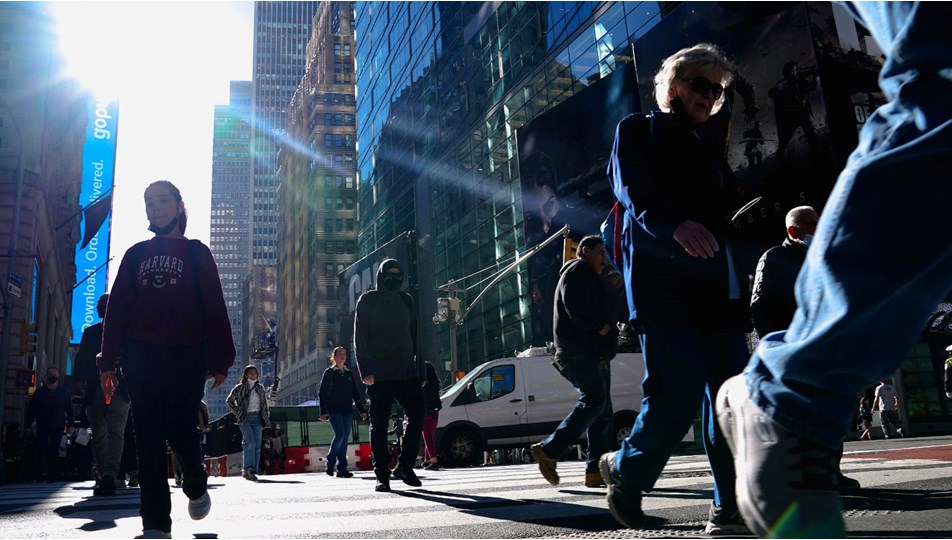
<point>461,447</point>
<point>621,427</point>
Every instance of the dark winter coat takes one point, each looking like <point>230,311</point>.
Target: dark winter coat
<point>431,392</point>
<point>385,333</point>
<point>772,303</point>
<point>51,409</point>
<point>579,313</point>
<point>86,369</point>
<point>663,173</point>
<point>338,392</point>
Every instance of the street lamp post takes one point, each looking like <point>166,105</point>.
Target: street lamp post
<point>11,258</point>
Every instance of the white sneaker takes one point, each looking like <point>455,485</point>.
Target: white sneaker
<point>786,486</point>
<point>199,508</point>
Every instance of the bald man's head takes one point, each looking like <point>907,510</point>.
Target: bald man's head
<point>801,221</point>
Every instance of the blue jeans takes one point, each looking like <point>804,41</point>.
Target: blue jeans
<point>684,367</point>
<point>592,415</point>
<point>251,441</point>
<point>881,258</point>
<point>341,423</point>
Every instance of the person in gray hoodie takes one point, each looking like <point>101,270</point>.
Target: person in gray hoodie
<point>385,341</point>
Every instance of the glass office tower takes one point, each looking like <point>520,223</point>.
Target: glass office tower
<point>442,89</point>
<point>230,218</point>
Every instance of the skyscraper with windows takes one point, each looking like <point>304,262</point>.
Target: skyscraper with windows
<point>318,196</point>
<point>231,217</point>
<point>282,30</point>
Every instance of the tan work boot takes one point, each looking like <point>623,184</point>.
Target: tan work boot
<point>546,464</point>
<point>594,480</point>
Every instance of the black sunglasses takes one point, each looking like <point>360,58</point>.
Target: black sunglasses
<point>702,85</point>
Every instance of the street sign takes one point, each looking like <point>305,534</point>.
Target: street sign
<point>14,278</point>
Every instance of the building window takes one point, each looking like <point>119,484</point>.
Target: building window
<point>329,269</point>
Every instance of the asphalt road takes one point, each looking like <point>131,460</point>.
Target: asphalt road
<point>907,493</point>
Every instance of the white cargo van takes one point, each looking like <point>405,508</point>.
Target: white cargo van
<point>514,402</point>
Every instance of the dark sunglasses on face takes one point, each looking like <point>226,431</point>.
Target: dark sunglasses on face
<point>702,85</point>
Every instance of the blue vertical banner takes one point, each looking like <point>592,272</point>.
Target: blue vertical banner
<point>95,196</point>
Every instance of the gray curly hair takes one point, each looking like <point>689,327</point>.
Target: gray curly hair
<point>702,55</point>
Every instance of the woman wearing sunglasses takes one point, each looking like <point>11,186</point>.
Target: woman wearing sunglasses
<point>686,289</point>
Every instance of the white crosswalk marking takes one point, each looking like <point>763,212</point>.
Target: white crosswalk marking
<point>510,501</point>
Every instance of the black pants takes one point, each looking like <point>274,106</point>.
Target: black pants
<point>127,463</point>
<point>166,386</point>
<point>409,395</point>
<point>48,466</point>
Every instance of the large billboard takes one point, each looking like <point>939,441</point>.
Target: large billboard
<point>790,119</point>
<point>562,171</point>
<point>95,196</point>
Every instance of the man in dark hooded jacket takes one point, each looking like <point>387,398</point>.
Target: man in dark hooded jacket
<point>585,340</point>
<point>385,328</point>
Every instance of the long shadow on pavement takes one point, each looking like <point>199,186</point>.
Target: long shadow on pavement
<point>119,506</point>
<point>909,500</point>
<point>566,515</point>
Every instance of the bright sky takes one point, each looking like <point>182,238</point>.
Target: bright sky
<point>170,63</point>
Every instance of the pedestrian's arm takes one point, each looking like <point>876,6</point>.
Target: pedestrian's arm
<point>68,410</point>
<point>765,296</point>
<point>636,179</point>
<point>221,349</point>
<point>323,389</point>
<point>355,397</point>
<point>578,301</point>
<point>232,399</point>
<point>119,311</point>
<point>361,352</point>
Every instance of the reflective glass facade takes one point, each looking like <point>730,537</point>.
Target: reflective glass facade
<point>230,216</point>
<point>442,88</point>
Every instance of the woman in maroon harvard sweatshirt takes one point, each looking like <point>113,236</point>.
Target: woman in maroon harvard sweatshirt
<point>167,329</point>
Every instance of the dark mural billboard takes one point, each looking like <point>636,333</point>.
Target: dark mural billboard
<point>790,120</point>
<point>563,155</point>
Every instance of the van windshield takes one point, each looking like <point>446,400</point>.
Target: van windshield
<point>465,380</point>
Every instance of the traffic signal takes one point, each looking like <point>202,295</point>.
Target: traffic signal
<point>28,338</point>
<point>569,249</point>
<point>26,378</point>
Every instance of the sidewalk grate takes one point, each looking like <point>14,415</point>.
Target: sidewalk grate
<point>689,529</point>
